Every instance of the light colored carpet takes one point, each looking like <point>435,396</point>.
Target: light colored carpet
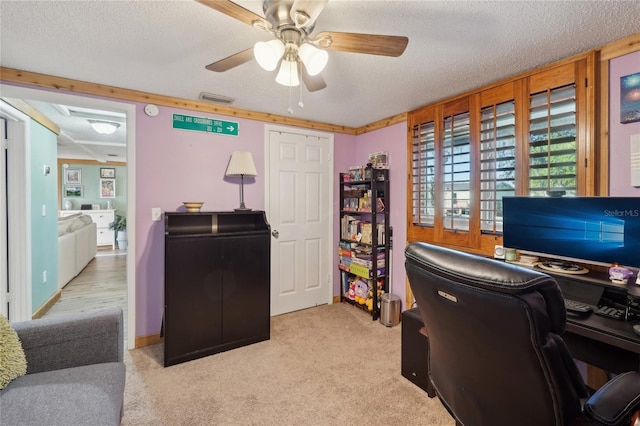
<point>329,365</point>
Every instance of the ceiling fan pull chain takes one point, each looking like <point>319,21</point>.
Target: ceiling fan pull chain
<point>300,104</point>
<point>290,110</point>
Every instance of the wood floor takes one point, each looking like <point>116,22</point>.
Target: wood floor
<point>101,284</point>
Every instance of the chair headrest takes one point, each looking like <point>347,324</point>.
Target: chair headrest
<point>476,271</point>
<point>491,275</point>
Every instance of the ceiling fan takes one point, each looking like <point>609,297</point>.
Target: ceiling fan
<point>297,52</point>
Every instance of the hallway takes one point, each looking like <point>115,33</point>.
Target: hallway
<point>102,284</point>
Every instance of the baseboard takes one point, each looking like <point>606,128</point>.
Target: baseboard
<point>148,340</point>
<point>39,313</point>
<point>155,338</point>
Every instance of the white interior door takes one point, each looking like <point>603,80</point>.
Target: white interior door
<point>299,209</point>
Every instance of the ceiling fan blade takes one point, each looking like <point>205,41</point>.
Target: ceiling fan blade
<point>305,12</point>
<point>313,83</point>
<point>229,8</point>
<point>371,44</point>
<point>231,61</point>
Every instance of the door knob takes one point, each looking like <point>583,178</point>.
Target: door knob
<point>275,233</point>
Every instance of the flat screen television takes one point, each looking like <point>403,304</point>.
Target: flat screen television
<point>597,230</point>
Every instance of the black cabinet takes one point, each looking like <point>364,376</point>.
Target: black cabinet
<point>217,283</point>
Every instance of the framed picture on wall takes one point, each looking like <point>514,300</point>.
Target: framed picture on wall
<point>72,176</point>
<point>72,191</point>
<point>630,98</point>
<point>107,172</point>
<point>107,188</point>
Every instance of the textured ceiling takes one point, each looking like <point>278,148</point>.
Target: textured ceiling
<point>163,46</point>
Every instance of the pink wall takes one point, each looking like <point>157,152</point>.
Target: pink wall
<point>344,156</point>
<point>173,166</point>
<point>619,134</point>
<point>176,165</point>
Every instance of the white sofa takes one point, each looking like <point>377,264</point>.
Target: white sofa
<point>77,245</point>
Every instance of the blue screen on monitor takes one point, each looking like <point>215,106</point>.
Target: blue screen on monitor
<point>598,229</point>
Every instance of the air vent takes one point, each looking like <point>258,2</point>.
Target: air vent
<point>219,99</point>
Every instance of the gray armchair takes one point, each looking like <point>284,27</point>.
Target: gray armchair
<point>75,371</point>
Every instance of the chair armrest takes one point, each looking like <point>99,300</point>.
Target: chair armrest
<point>72,340</point>
<point>616,401</point>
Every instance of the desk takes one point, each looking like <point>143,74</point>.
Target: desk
<point>603,342</point>
<point>415,351</point>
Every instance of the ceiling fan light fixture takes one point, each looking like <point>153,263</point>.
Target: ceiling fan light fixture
<point>104,127</point>
<point>314,59</point>
<point>288,74</point>
<point>268,53</point>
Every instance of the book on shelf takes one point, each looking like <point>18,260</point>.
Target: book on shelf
<point>346,252</point>
<point>354,229</point>
<point>381,234</point>
<point>366,263</point>
<point>363,271</point>
<point>365,233</point>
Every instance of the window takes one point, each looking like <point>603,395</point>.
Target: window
<point>552,142</point>
<point>524,136</point>
<point>497,163</point>
<point>423,171</point>
<point>456,166</point>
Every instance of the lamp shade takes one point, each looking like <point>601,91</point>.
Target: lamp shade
<point>268,53</point>
<point>288,74</point>
<point>241,164</point>
<point>314,59</point>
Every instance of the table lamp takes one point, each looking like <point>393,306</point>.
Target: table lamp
<point>241,164</point>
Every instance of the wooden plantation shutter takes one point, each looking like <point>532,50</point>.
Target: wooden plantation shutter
<point>497,162</point>
<point>552,141</point>
<point>423,171</point>
<point>456,176</point>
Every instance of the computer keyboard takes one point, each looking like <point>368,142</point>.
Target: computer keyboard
<point>577,308</point>
<point>611,312</point>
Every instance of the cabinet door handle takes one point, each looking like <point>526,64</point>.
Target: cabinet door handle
<point>275,233</point>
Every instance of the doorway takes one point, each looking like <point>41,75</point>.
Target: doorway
<point>15,248</point>
<point>130,111</point>
<point>299,187</point>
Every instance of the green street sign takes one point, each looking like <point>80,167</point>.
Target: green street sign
<point>206,125</point>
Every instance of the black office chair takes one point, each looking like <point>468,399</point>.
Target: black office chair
<point>496,351</point>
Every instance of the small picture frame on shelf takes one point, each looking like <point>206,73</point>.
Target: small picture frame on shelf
<point>107,172</point>
<point>356,173</point>
<point>72,176</point>
<point>107,188</point>
<point>379,160</point>
<point>72,191</point>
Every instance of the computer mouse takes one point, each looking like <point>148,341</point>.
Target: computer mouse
<point>636,328</point>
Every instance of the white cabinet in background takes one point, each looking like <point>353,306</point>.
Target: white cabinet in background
<point>102,219</point>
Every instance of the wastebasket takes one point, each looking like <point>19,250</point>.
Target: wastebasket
<point>389,309</point>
